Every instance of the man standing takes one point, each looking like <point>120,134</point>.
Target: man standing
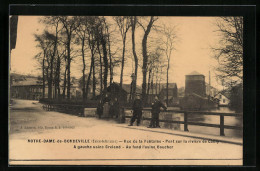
<point>156,106</point>
<point>100,108</point>
<point>137,111</point>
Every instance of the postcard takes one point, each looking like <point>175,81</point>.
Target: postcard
<point>126,90</point>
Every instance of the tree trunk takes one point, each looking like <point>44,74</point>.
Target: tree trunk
<point>64,83</point>
<point>103,43</point>
<point>149,80</point>
<point>50,80</point>
<point>133,22</point>
<point>57,78</point>
<point>152,82</point>
<point>89,76</point>
<point>145,58</point>
<point>94,79</point>
<point>110,61</point>
<point>92,65</point>
<point>83,72</point>
<point>123,62</point>
<point>43,76</point>
<point>167,84</point>
<point>68,74</point>
<point>52,60</point>
<point>101,67</point>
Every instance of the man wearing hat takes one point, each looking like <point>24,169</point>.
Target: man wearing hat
<point>156,107</point>
<point>137,111</point>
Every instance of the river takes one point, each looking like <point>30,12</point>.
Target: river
<point>210,119</point>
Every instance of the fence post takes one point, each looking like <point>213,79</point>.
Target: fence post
<point>222,125</point>
<point>186,121</point>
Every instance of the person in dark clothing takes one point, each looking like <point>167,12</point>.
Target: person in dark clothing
<point>106,99</point>
<point>116,107</point>
<point>137,111</point>
<point>100,108</point>
<point>156,106</point>
<point>111,108</point>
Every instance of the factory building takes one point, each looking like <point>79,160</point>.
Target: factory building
<point>195,83</point>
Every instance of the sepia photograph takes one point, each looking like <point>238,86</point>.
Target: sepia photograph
<point>126,90</point>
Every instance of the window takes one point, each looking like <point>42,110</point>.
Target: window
<point>224,101</point>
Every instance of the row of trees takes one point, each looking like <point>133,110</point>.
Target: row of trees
<point>96,41</point>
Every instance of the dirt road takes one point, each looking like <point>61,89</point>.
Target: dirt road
<point>40,137</point>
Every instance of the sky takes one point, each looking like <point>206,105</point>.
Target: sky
<point>193,53</point>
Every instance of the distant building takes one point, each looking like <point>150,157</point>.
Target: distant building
<point>195,93</point>
<point>211,91</point>
<point>26,88</point>
<point>195,83</point>
<point>160,90</point>
<point>31,88</point>
<point>172,95</point>
<point>114,91</point>
<point>223,100</point>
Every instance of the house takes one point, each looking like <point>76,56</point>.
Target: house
<point>160,90</point>
<point>223,99</point>
<point>26,88</point>
<point>172,96</point>
<point>31,87</point>
<point>115,91</point>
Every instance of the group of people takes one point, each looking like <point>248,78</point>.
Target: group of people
<point>137,112</point>
<point>108,108</point>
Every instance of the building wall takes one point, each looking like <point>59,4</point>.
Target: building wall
<point>195,84</point>
<point>223,100</point>
<point>33,92</point>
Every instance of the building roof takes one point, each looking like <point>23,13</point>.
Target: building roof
<point>127,88</point>
<point>224,93</point>
<point>160,87</point>
<point>27,82</point>
<point>195,73</point>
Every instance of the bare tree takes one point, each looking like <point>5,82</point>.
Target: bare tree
<point>169,41</point>
<point>229,51</point>
<point>154,61</point>
<point>70,25</point>
<point>133,26</point>
<point>91,40</point>
<point>103,40</point>
<point>82,35</point>
<point>145,55</point>
<point>53,22</point>
<point>123,23</point>
<point>41,57</point>
<point>57,77</point>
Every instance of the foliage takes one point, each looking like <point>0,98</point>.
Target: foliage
<point>229,51</point>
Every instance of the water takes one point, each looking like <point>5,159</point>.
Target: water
<point>210,119</point>
<point>228,120</point>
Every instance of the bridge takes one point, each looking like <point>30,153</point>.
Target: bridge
<point>51,137</point>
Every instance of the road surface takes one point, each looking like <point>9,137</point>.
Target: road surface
<point>44,137</point>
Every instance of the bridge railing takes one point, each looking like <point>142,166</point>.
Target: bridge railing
<point>67,108</point>
<point>79,109</point>
<point>186,121</point>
